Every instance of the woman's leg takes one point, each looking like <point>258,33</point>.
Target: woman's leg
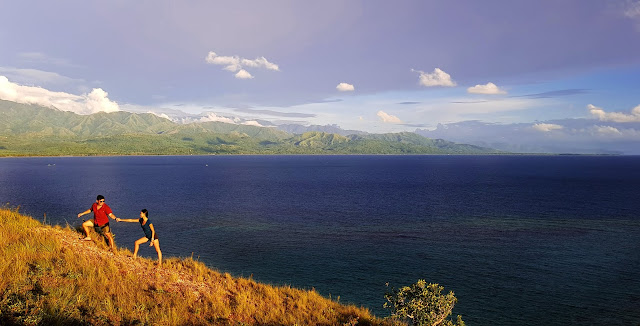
<point>138,243</point>
<point>156,244</point>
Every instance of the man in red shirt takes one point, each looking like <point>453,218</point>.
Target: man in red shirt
<point>101,214</point>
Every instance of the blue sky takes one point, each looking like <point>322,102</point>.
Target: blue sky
<point>376,66</point>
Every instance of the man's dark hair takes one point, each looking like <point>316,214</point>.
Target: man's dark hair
<point>100,197</point>
<point>145,212</point>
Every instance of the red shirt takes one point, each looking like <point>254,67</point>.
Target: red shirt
<point>101,216</point>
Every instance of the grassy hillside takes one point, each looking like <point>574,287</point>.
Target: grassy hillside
<point>18,119</point>
<point>205,143</point>
<point>49,276</point>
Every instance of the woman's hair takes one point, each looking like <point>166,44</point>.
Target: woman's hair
<point>146,212</point>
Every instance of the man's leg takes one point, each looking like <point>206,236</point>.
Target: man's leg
<point>111,243</point>
<point>106,231</point>
<point>86,226</point>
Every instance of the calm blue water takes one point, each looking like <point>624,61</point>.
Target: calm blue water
<point>522,240</point>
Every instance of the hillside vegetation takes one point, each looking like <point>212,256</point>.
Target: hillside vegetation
<point>48,276</point>
<point>31,130</point>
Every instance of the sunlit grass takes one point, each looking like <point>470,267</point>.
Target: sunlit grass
<point>48,276</point>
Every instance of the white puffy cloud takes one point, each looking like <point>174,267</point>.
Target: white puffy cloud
<point>97,100</point>
<point>344,87</point>
<point>260,62</point>
<point>230,63</point>
<point>239,65</point>
<point>546,127</point>
<point>252,123</point>
<point>243,74</point>
<point>161,115</point>
<point>388,118</point>
<point>214,117</point>
<point>488,89</point>
<point>615,116</point>
<point>436,78</point>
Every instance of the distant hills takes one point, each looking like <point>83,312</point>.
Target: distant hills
<point>331,129</point>
<point>32,130</point>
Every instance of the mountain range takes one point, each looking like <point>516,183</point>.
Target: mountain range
<point>27,130</point>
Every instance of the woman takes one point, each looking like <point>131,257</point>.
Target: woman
<point>149,232</point>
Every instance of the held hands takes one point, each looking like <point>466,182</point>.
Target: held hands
<point>117,219</point>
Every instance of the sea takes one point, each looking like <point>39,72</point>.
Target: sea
<point>520,240</point>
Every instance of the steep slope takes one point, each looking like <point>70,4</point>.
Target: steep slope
<point>49,276</point>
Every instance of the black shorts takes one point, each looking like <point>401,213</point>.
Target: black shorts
<point>102,229</point>
<point>149,237</point>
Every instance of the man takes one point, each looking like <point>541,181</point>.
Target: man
<point>101,214</point>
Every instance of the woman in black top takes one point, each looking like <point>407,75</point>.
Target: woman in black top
<point>149,232</point>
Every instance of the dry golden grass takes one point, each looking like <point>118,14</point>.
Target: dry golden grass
<point>50,277</point>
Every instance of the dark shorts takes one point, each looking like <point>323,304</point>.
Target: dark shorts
<point>149,237</point>
<point>102,229</point>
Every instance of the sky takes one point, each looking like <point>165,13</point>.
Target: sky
<point>374,66</point>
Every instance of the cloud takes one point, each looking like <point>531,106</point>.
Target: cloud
<point>37,77</point>
<point>252,123</point>
<point>344,87</point>
<point>387,118</point>
<point>239,65</point>
<point>615,116</point>
<point>436,78</point>
<point>550,94</point>
<point>546,127</point>
<point>97,100</point>
<point>216,118</point>
<point>415,125</point>
<point>243,74</point>
<point>488,89</point>
<point>276,113</point>
<point>632,10</point>
<point>260,62</point>
<point>161,115</point>
<point>607,130</point>
<point>577,136</point>
<point>470,102</point>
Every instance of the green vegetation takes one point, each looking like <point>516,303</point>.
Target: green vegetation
<point>29,130</point>
<point>423,304</point>
<point>49,276</point>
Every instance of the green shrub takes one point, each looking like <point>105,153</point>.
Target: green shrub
<point>422,304</point>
